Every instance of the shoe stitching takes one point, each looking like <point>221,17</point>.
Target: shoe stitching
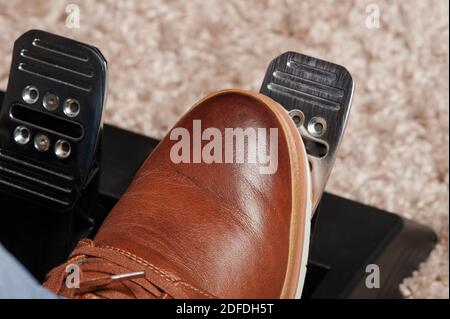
<point>143,262</point>
<point>139,261</point>
<point>154,268</point>
<point>195,289</point>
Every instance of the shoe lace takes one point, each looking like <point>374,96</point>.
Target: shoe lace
<point>112,273</point>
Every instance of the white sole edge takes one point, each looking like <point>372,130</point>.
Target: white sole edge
<point>307,233</point>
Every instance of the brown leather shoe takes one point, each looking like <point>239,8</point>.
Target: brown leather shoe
<point>205,230</point>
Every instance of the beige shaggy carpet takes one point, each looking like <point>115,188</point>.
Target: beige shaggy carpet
<point>165,55</point>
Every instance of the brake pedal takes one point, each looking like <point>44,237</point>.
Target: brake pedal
<point>51,119</point>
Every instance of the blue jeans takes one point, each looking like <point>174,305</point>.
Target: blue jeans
<point>16,282</point>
